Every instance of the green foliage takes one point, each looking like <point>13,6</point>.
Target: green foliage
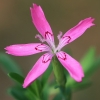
<point>90,64</point>
<point>94,67</point>
<point>36,87</point>
<point>18,78</point>
<point>17,92</point>
<point>81,86</point>
<point>46,75</point>
<point>8,65</point>
<point>40,89</point>
<point>88,59</point>
<point>58,97</point>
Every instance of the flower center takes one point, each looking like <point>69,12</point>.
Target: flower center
<point>49,38</point>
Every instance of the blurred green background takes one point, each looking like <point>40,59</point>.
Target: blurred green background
<point>16,27</point>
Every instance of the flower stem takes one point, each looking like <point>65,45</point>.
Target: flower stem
<point>60,76</point>
<point>58,72</point>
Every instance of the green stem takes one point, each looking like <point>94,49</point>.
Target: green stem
<point>60,76</point>
<point>58,72</point>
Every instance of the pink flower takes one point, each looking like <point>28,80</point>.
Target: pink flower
<point>41,24</point>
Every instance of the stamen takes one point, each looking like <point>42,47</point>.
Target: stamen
<point>59,35</point>
<point>49,39</point>
<point>63,41</point>
<point>40,38</point>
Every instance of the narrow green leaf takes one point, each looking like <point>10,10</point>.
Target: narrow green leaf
<point>8,65</point>
<point>18,78</point>
<point>46,75</point>
<point>68,93</point>
<point>36,87</point>
<point>58,97</point>
<point>18,93</point>
<point>86,62</point>
<point>81,86</point>
<point>85,84</point>
<point>32,89</point>
<point>45,92</point>
<point>93,67</point>
<point>88,59</point>
<point>30,95</point>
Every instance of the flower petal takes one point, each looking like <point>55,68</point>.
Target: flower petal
<point>26,49</point>
<point>39,20</point>
<point>38,69</point>
<point>76,31</point>
<point>74,68</point>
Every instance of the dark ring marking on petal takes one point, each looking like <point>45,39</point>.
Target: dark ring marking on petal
<point>63,58</point>
<point>45,61</point>
<point>69,38</point>
<point>37,47</point>
<point>46,33</point>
